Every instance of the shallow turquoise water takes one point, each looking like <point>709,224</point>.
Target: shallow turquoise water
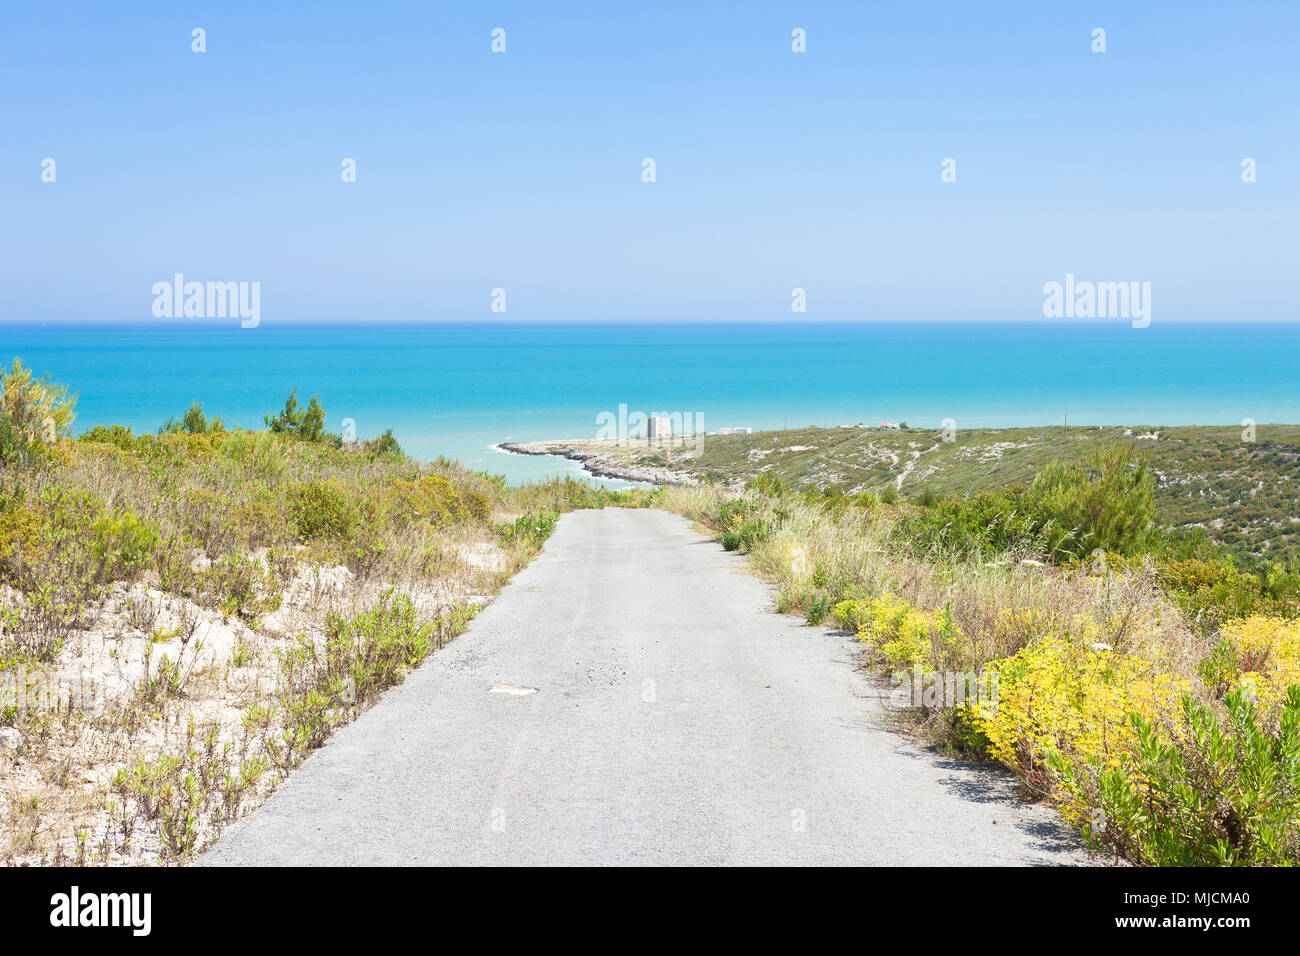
<point>456,389</point>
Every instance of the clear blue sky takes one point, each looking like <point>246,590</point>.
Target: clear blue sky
<point>775,170</point>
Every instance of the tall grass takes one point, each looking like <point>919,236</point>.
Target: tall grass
<point>815,552</point>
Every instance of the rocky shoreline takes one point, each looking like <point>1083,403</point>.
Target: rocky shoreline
<point>604,458</point>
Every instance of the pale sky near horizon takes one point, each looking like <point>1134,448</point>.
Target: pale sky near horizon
<point>774,170</point>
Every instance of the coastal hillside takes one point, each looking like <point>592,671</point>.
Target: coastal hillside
<point>1240,494</point>
<point>186,615</point>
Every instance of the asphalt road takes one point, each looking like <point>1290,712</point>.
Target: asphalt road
<point>630,698</point>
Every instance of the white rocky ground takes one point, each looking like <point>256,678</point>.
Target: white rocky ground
<point>58,760</point>
<point>617,458</point>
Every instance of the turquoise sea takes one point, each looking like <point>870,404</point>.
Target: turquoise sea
<point>457,389</point>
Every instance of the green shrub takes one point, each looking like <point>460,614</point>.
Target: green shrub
<point>816,607</point>
<point>531,529</point>
<point>1071,509</point>
<point>258,451</point>
<point>34,408</point>
<point>236,585</point>
<point>1215,793</point>
<point>175,447</point>
<point>13,445</point>
<point>194,422</point>
<point>380,647</point>
<point>117,435</point>
<point>123,544</point>
<point>1282,582</point>
<point>321,509</point>
<point>305,423</point>
<point>20,535</point>
<point>755,532</point>
<point>988,522</point>
<point>434,500</point>
<point>322,687</point>
<point>1105,501</point>
<point>927,498</point>
<point>385,446</point>
<point>1213,591</point>
<point>1219,670</point>
<point>769,484</point>
<point>741,528</point>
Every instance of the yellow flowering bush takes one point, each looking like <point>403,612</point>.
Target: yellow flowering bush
<point>1135,761</point>
<point>851,614</point>
<point>898,630</point>
<point>904,635</point>
<point>1063,695</point>
<point>1266,655</point>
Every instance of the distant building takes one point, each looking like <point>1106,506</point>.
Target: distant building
<point>658,427</point>
<point>733,431</point>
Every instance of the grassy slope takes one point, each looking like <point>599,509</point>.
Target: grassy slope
<point>1242,493</point>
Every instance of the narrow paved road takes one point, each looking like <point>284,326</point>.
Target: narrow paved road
<point>675,720</point>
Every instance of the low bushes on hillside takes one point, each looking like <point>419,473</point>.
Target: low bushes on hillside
<point>1212,590</point>
<point>434,500</point>
<point>1106,502</point>
<point>321,509</point>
